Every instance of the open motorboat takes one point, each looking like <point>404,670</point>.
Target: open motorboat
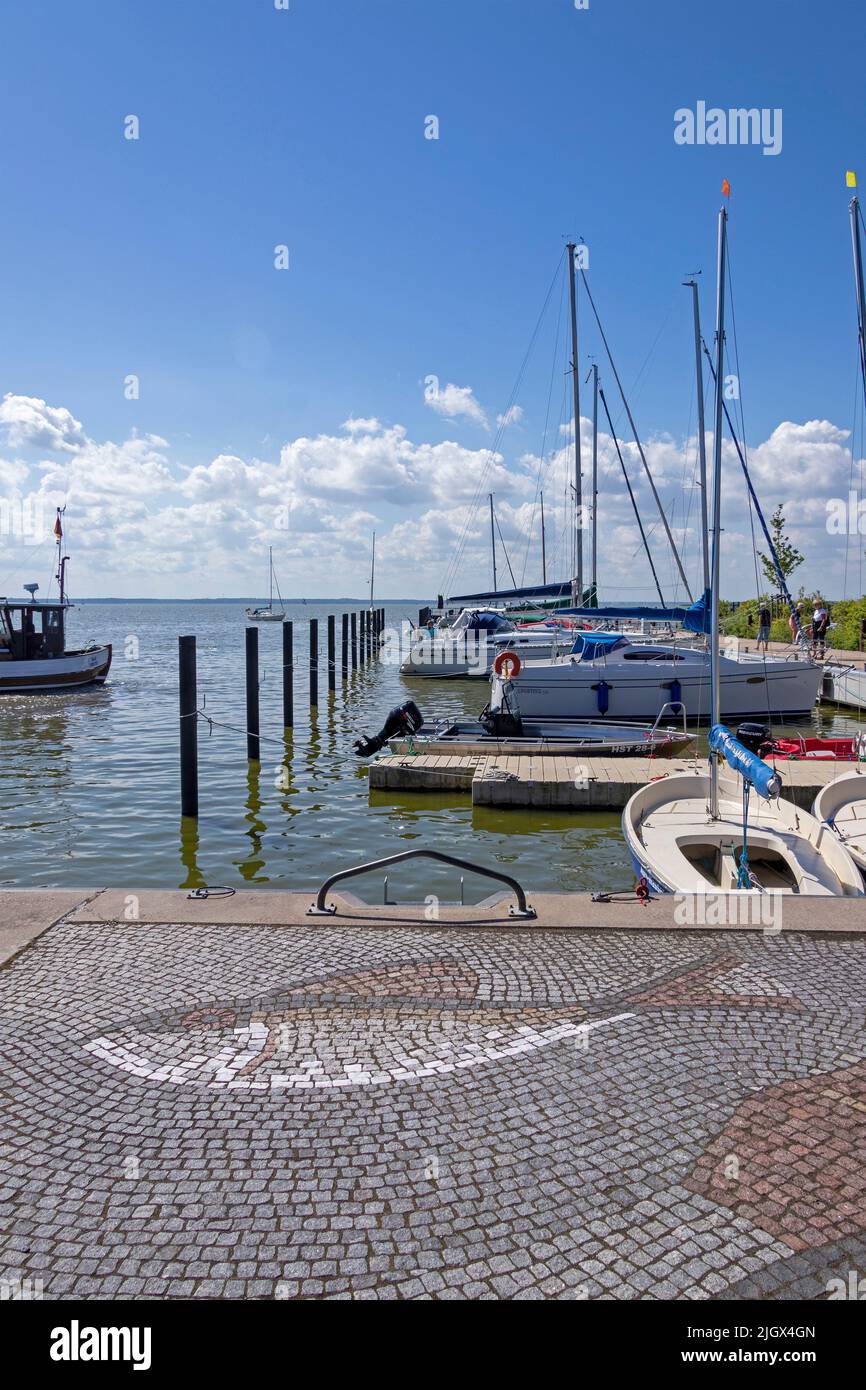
<point>502,731</point>
<point>469,645</point>
<point>609,674</point>
<point>841,805</point>
<point>269,614</point>
<point>677,846</point>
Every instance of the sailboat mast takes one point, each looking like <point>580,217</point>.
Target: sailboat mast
<point>543,545</point>
<point>715,677</point>
<point>577,581</point>
<point>492,541</point>
<point>270,578</point>
<point>595,482</point>
<point>854,210</point>
<point>702,439</point>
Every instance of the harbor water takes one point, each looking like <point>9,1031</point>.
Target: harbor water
<point>89,781</point>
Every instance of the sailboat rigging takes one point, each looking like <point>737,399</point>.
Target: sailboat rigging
<point>690,833</point>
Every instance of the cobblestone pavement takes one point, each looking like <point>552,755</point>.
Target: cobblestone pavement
<point>356,1112</point>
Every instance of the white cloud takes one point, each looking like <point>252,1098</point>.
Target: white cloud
<point>139,523</point>
<point>27,420</point>
<point>456,402</point>
<point>513,416</point>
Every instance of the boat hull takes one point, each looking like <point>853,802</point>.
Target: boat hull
<point>589,740</point>
<point>441,658</point>
<point>72,671</point>
<point>842,806</point>
<point>572,690</point>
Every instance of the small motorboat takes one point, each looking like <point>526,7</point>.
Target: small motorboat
<point>841,805</point>
<point>501,731</point>
<point>850,748</point>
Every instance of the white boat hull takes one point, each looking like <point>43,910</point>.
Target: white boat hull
<point>842,806</point>
<point>71,671</point>
<point>445,657</point>
<point>749,690</point>
<point>677,849</point>
<point>846,685</point>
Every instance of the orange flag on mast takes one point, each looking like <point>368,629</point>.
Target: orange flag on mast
<point>58,529</point>
<point>726,188</point>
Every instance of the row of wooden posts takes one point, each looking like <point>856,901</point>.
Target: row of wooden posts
<point>360,639</point>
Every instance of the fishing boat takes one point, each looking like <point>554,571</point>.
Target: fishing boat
<point>694,832</point>
<point>269,614</point>
<point>33,652</point>
<point>841,806</point>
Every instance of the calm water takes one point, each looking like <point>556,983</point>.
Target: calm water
<point>89,793</point>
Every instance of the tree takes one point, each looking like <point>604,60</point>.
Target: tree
<point>787,554</point>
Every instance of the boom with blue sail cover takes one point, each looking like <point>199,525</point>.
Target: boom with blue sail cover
<point>765,780</point>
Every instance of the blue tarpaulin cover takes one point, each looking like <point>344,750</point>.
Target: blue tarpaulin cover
<point>763,778</point>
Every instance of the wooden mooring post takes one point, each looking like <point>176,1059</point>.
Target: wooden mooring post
<point>252,653</point>
<point>363,636</point>
<point>332,652</point>
<point>354,622</point>
<point>288,676</point>
<point>344,645</point>
<point>188,727</point>
<point>314,661</point>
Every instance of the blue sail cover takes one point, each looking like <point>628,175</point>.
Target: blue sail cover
<point>695,618</point>
<point>562,590</point>
<point>760,775</point>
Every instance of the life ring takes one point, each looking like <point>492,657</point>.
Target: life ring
<point>507,659</point>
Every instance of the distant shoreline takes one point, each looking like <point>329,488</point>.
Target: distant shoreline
<point>256,598</point>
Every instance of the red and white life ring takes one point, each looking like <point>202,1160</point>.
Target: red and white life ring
<point>510,660</point>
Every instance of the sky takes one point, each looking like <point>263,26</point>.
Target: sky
<point>193,402</point>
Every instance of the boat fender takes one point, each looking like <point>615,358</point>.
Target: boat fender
<point>676,692</point>
<point>507,664</point>
<point>602,690</point>
<point>403,719</point>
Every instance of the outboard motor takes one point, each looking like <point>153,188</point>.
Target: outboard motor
<point>403,719</point>
<point>502,716</point>
<point>755,737</point>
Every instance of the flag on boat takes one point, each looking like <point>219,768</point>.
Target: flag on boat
<point>726,188</point>
<point>850,178</point>
<point>58,529</point>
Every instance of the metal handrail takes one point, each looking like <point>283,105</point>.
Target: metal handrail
<point>320,909</point>
<point>676,707</point>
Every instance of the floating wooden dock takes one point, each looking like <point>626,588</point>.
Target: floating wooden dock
<point>565,783</point>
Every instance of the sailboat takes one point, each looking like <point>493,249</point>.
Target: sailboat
<point>693,832</point>
<point>269,614</point>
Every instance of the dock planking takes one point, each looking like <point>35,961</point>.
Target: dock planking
<point>565,783</point>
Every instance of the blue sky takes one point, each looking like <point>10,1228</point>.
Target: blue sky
<point>408,257</point>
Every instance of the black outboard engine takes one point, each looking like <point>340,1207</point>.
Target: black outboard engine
<point>403,719</point>
<point>755,737</point>
<point>502,716</point>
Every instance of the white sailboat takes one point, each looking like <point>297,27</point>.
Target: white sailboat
<point>269,614</point>
<point>694,833</point>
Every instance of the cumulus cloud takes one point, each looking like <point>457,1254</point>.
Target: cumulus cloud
<point>455,402</point>
<point>512,416</point>
<point>141,523</point>
<point>27,420</point>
